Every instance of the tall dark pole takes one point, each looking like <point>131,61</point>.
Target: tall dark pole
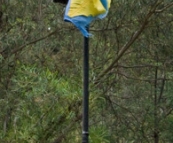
<point>85,132</point>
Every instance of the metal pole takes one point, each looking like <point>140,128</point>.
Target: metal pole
<point>85,132</point>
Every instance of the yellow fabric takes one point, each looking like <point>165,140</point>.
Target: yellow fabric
<point>86,8</point>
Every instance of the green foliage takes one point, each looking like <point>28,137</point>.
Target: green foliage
<point>99,135</point>
<point>42,104</point>
<point>131,75</point>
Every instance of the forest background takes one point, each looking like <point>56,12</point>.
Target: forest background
<point>131,73</point>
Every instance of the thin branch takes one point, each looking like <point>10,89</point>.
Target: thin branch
<point>137,66</point>
<point>145,80</point>
<point>134,37</point>
<point>34,41</point>
<point>122,107</point>
<point>162,88</point>
<point>169,112</point>
<point>164,8</point>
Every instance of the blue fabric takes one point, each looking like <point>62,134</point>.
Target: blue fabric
<point>81,21</point>
<point>105,4</point>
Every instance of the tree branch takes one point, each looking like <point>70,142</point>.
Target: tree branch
<point>128,44</point>
<point>165,7</point>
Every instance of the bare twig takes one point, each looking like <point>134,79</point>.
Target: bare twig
<point>164,8</point>
<point>133,38</point>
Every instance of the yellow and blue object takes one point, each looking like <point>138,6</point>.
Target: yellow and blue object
<point>82,12</point>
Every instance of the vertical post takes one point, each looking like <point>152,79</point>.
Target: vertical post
<point>85,132</point>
